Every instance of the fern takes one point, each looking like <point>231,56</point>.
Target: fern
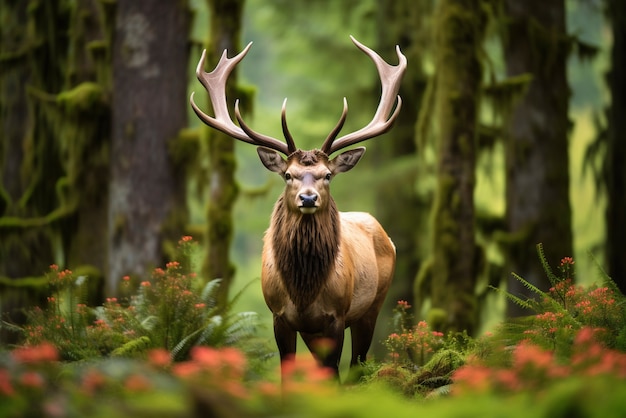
<point>209,291</point>
<point>546,266</point>
<point>133,347</point>
<point>527,304</point>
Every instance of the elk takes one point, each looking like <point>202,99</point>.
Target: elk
<point>322,270</point>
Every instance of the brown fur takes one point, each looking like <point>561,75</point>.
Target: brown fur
<point>306,247</point>
<point>323,270</point>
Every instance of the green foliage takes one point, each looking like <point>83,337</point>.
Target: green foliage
<point>566,308</point>
<point>523,369</point>
<point>174,311</point>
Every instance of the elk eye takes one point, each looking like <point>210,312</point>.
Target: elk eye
<point>287,176</point>
<point>328,176</point>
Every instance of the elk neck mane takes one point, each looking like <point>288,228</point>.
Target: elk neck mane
<point>305,249</point>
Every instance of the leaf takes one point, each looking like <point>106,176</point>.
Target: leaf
<point>546,266</point>
<point>135,346</point>
<point>208,292</point>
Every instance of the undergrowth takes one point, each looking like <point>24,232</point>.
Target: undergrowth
<point>167,349</point>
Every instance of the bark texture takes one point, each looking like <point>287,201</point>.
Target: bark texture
<point>537,162</point>
<point>147,191</point>
<point>460,27</point>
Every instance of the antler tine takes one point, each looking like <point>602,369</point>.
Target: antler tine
<point>291,145</point>
<point>333,134</point>
<point>215,84</point>
<point>390,76</point>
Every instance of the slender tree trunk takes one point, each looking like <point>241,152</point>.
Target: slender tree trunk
<point>460,27</point>
<point>616,148</point>
<point>537,162</point>
<point>147,194</point>
<point>400,209</point>
<point>225,27</point>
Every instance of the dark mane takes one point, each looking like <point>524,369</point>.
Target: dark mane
<point>305,248</point>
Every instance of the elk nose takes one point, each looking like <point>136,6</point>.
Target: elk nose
<point>308,200</point>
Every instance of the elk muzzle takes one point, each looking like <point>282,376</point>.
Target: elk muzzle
<point>308,202</point>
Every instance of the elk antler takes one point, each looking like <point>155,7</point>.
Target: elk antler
<point>215,84</point>
<point>390,77</point>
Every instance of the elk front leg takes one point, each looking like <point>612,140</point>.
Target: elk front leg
<point>334,331</point>
<point>285,340</point>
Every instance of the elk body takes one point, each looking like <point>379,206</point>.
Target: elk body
<point>323,270</point>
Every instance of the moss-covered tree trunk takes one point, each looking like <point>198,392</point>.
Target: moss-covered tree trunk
<point>54,150</point>
<point>537,163</point>
<point>459,31</point>
<point>614,171</point>
<point>402,211</point>
<point>225,30</point>
<point>147,209</point>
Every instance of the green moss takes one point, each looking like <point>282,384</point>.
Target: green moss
<point>185,148</point>
<point>84,98</point>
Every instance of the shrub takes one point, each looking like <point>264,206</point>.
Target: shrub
<point>173,310</point>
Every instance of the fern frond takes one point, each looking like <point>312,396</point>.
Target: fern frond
<point>546,266</point>
<point>606,279</point>
<point>149,322</point>
<point>208,292</point>
<point>210,330</point>
<point>180,350</point>
<point>135,346</point>
<point>11,327</point>
<point>439,392</point>
<point>244,326</point>
<point>528,285</point>
<point>525,304</point>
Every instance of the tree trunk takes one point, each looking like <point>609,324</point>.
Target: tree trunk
<point>615,174</point>
<point>147,207</point>
<point>400,209</point>
<point>54,153</point>
<point>225,27</point>
<point>460,27</point>
<point>537,162</point>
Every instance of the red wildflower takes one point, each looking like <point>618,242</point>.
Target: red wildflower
<point>159,357</point>
<point>45,352</point>
<point>403,304</point>
<point>92,381</point>
<point>5,383</point>
<point>471,379</point>
<point>137,383</point>
<point>32,380</point>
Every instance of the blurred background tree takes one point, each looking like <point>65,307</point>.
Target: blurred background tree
<point>55,108</point>
<point>538,207</point>
<point>606,154</point>
<point>147,191</point>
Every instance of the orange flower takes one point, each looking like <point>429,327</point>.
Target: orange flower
<point>206,356</point>
<point>529,354</point>
<point>471,379</point>
<point>45,352</point>
<point>92,381</point>
<point>32,380</point>
<point>159,357</point>
<point>5,383</point>
<point>137,383</point>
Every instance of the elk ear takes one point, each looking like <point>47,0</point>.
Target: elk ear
<point>272,160</point>
<point>346,160</point>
